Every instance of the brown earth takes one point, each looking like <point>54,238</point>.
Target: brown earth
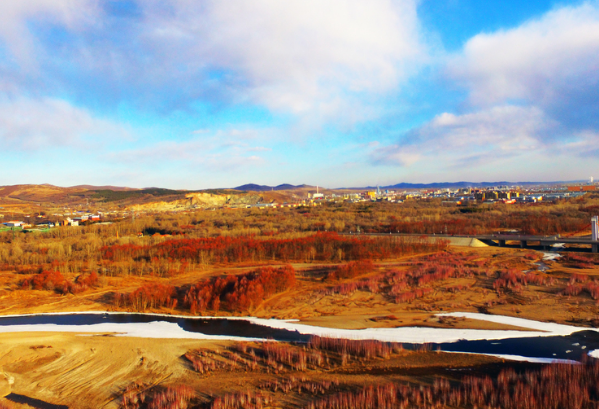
<point>362,309</point>
<point>81,371</point>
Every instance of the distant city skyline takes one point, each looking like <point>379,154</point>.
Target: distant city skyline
<point>193,95</point>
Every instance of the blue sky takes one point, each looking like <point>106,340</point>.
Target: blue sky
<point>203,94</point>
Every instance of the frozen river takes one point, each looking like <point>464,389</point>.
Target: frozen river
<point>540,342</point>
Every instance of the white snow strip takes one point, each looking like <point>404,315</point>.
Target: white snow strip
<point>548,328</point>
<point>415,335</point>
<point>419,335</point>
<point>520,358</point>
<point>533,360</point>
<point>551,256</point>
<point>594,353</point>
<point>156,329</point>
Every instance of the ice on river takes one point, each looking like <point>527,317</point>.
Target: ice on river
<point>415,335</point>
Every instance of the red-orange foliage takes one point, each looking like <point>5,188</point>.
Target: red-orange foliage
<point>514,280</point>
<point>90,280</point>
<point>530,256</point>
<point>46,280</point>
<point>55,281</point>
<point>326,246</point>
<point>173,397</point>
<point>203,362</point>
<point>300,385</point>
<point>244,400</point>
<point>528,222</point>
<point>572,289</point>
<point>368,349</point>
<point>578,278</point>
<point>409,296</point>
<point>239,292</point>
<point>449,226</point>
<point>351,270</point>
<point>555,386</point>
<point>593,289</point>
<point>406,286</point>
<point>148,296</point>
<point>580,260</point>
<point>296,358</point>
<point>266,356</point>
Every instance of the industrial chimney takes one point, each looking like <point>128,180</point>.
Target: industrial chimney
<point>595,228</point>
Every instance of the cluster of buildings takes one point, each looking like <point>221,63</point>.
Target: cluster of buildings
<point>42,224</point>
<point>452,197</point>
<point>464,196</point>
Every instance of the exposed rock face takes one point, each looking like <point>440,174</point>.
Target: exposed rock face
<point>205,200</point>
<point>209,200</point>
<point>200,200</point>
<point>6,382</point>
<point>244,199</point>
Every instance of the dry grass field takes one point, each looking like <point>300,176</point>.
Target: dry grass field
<point>278,264</point>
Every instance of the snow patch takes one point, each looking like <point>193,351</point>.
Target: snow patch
<point>414,335</point>
<point>551,256</point>
<point>420,335</point>
<point>156,329</point>
<point>534,360</point>
<point>520,358</point>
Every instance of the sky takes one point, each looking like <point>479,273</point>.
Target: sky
<point>195,94</point>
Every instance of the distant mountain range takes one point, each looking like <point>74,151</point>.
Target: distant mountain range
<point>262,188</point>
<point>92,187</point>
<point>407,186</point>
<point>446,185</point>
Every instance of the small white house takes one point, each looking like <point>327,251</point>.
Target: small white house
<point>13,223</point>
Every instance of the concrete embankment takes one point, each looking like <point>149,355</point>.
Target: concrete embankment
<point>454,241</point>
<point>465,242</point>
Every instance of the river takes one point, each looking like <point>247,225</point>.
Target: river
<point>541,342</point>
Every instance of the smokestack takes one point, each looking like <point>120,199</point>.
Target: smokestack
<point>595,228</point>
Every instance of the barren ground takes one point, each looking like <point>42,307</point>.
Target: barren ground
<point>76,371</point>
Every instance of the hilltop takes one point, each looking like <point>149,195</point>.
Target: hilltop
<point>24,199</point>
<point>261,188</point>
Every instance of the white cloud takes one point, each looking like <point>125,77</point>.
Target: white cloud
<point>201,131</point>
<point>552,61</point>
<point>294,55</point>
<point>224,150</point>
<point>15,16</point>
<point>33,124</point>
<point>533,91</point>
<point>316,59</point>
<point>505,128</point>
<point>583,144</point>
<point>486,135</point>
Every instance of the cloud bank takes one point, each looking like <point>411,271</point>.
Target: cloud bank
<point>35,124</point>
<point>532,90</point>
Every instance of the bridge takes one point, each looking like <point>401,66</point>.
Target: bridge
<point>501,239</point>
<point>544,241</point>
